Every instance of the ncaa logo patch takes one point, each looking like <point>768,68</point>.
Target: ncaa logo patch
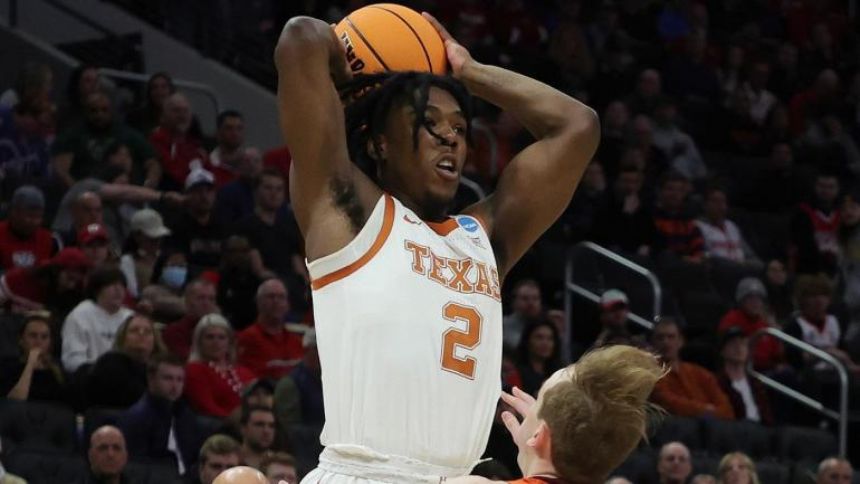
<point>468,223</point>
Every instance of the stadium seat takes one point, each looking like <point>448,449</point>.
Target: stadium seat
<point>96,417</point>
<point>46,467</point>
<point>10,327</point>
<point>38,426</point>
<point>640,466</point>
<point>722,437</point>
<point>801,443</point>
<point>773,472</point>
<point>803,472</point>
<point>151,473</point>
<point>681,429</point>
<point>704,463</point>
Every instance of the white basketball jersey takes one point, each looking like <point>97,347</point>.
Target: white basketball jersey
<point>409,330</point>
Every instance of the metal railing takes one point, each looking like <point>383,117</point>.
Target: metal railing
<point>841,415</point>
<point>573,287</point>
<point>204,89</point>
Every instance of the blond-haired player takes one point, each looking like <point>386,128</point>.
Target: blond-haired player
<point>586,420</point>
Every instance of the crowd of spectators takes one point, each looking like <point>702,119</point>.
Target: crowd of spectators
<point>157,269</point>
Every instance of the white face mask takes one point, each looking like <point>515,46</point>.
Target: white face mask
<point>174,276</point>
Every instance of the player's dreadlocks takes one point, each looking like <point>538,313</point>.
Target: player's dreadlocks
<point>369,99</point>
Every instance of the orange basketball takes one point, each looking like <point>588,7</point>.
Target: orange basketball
<point>388,37</point>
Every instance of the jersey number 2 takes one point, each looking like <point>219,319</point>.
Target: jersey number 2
<point>454,338</point>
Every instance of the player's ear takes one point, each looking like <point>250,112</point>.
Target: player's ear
<point>540,439</point>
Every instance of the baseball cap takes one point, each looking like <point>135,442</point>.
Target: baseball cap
<point>731,333</point>
<point>71,258</point>
<point>199,176</point>
<point>92,233</point>
<point>613,298</point>
<point>28,197</point>
<point>750,286</point>
<point>150,223</point>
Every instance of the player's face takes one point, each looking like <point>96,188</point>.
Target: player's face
<point>532,423</point>
<point>427,175</point>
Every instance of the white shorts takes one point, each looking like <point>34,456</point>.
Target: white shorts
<point>352,464</point>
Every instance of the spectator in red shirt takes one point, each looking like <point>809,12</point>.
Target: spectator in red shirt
<point>94,242</point>
<point>270,347</point>
<point>199,301</point>
<point>821,98</point>
<point>213,380</point>
<point>178,149</point>
<point>57,285</point>
<point>23,242</point>
<point>688,390</point>
<point>750,315</point>
<point>676,229</point>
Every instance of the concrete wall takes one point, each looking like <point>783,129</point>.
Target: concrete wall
<point>41,20</point>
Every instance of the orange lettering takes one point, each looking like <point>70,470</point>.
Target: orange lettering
<point>419,252</point>
<point>482,284</point>
<point>454,338</point>
<point>460,268</point>
<point>437,264</point>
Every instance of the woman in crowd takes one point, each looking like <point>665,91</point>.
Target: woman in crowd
<point>737,468</point>
<point>34,375</point>
<point>146,117</point>
<point>213,381</point>
<point>118,379</point>
<point>538,355</point>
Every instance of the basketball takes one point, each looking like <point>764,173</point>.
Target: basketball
<point>387,37</point>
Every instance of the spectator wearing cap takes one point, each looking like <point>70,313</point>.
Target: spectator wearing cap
<point>815,325</point>
<point>614,310</point>
<point>197,232</point>
<point>298,396</point>
<point>78,151</point>
<point>214,382</point>
<point>749,316</point>
<point>56,285</point>
<point>179,149</point>
<point>142,249</point>
<point>200,300</point>
<point>90,329</point>
<point>235,200</point>
<point>688,390</point>
<point>270,347</point>
<point>23,241</point>
<point>748,396</point>
<point>161,424</point>
<point>94,241</point>
<point>272,230</point>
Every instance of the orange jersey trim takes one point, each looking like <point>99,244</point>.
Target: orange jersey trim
<point>384,232</point>
<point>443,228</point>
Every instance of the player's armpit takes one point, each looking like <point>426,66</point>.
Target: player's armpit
<point>308,57</point>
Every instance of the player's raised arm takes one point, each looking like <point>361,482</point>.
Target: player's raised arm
<point>539,182</point>
<point>310,60</point>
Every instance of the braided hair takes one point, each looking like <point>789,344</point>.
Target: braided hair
<point>368,100</point>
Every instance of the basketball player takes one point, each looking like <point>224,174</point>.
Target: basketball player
<point>406,297</point>
<point>586,420</point>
